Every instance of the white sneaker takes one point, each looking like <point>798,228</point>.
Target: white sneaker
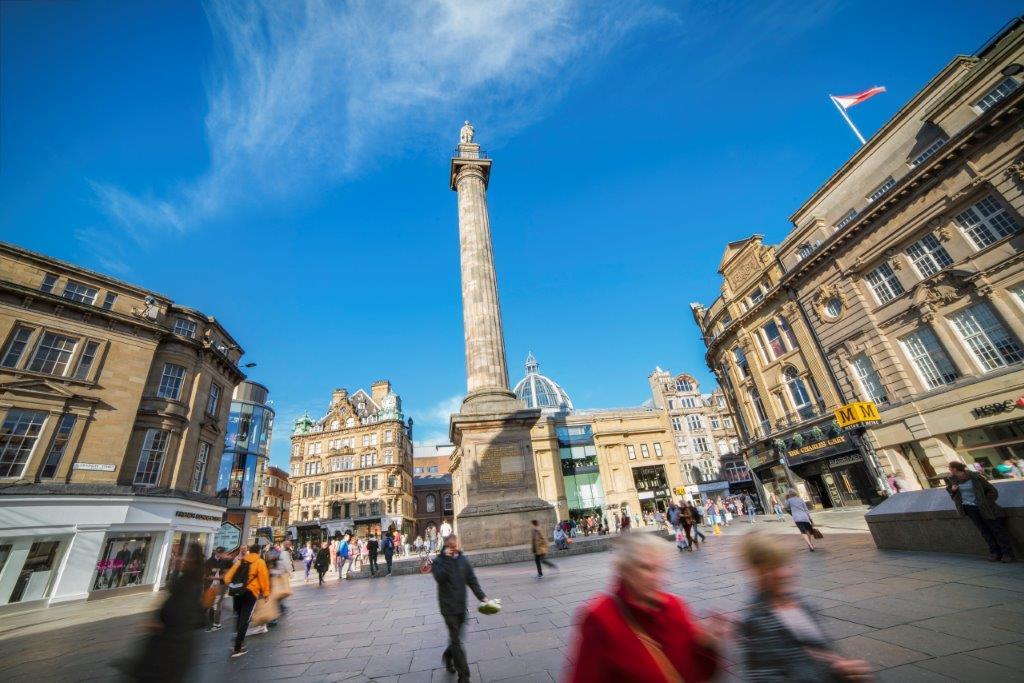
<point>256,630</point>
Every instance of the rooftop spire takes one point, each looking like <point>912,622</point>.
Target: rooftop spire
<point>532,367</point>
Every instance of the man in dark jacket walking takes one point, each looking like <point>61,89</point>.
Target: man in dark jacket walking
<point>453,573</point>
<point>976,498</point>
<point>388,547</point>
<point>373,547</point>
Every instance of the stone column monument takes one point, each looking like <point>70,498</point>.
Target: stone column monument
<point>495,486</point>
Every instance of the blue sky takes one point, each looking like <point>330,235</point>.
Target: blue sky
<point>284,167</point>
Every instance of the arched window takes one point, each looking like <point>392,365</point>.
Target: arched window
<point>431,502</point>
<point>447,502</point>
<point>798,391</point>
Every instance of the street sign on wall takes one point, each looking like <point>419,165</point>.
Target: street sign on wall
<point>228,536</point>
<point>858,414</point>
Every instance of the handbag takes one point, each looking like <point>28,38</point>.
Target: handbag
<point>210,596</point>
<point>650,644</point>
<point>816,533</point>
<point>265,612</point>
<point>281,587</point>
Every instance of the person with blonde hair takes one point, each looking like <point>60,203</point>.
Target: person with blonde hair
<point>639,632</point>
<point>782,638</point>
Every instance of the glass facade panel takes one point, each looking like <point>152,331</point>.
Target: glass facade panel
<point>580,472</point>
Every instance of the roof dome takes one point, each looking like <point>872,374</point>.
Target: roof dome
<point>538,391</point>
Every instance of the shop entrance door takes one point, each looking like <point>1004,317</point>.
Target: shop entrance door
<point>854,484</point>
<point>819,494</point>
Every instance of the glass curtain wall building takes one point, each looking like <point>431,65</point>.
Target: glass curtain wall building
<point>580,474</point>
<point>246,451</point>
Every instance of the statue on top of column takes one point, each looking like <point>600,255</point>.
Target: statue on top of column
<point>466,134</point>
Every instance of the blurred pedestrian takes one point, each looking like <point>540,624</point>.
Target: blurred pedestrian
<point>782,637</point>
<point>216,566</point>
<point>639,632</point>
<point>372,547</point>
<point>698,518</point>
<point>748,505</point>
<point>975,497</point>
<point>776,507</point>
<point>801,516</point>
<point>540,548</point>
<point>169,650</point>
<point>453,574</point>
<point>308,556</point>
<point>248,580</point>
<point>322,563</point>
<point>344,556</point>
<point>389,550</point>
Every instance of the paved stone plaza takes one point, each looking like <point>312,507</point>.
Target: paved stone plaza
<point>914,616</point>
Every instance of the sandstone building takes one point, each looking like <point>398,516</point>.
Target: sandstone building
<point>113,409</point>
<point>902,284</point>
<point>274,495</point>
<point>351,470</point>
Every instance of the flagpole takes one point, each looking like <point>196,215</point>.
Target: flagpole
<point>846,116</point>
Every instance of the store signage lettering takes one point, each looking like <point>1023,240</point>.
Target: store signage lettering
<point>810,448</point>
<point>94,466</point>
<point>855,414</point>
<point>994,408</point>
<point>196,515</point>
<point>845,460</point>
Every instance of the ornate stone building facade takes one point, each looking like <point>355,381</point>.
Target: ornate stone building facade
<point>705,435</point>
<point>902,283</point>
<point>909,263</point>
<point>275,497</point>
<point>765,356</point>
<point>351,470</point>
<point>113,405</point>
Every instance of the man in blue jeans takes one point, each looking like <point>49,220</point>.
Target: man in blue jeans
<point>975,498</point>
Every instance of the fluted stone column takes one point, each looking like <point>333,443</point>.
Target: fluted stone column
<point>494,476</point>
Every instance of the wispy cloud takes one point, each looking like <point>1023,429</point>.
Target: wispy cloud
<point>303,94</point>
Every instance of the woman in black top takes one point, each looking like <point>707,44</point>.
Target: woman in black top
<point>323,561</point>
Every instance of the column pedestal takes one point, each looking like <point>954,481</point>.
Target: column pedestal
<point>494,454</point>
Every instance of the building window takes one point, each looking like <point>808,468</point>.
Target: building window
<point>199,469</point>
<point>87,359</point>
<point>152,457</point>
<point>313,467</point>
<point>170,381</point>
<point>884,283</point>
<point>16,346</point>
<point>798,391</point>
<point>18,437</point>
<point>630,452</point>
<point>695,422</point>
<point>741,361</point>
<point>992,344</point>
<point>53,354</point>
<point>185,328</point>
<point>727,421</point>
<point>49,280</point>
<point>928,153</point>
<point>389,457</point>
<point>755,400</point>
<point>657,450</point>
<point>806,249</point>
<point>213,400</point>
<point>368,460</point>
<point>389,435</point>
<point>930,359</point>
<point>870,383</point>
<point>700,445</point>
<point>448,503</point>
<point>928,256</point>
<point>645,452</point>
<point>773,339</point>
<point>677,423</point>
<point>715,422</point>
<point>997,93</point>
<point>846,219</point>
<point>684,385</point>
<point>986,222</point>
<point>882,189</point>
<point>108,301</point>
<point>689,402</point>
<point>756,295</point>
<point>431,502</point>
<point>834,307</point>
<point>76,291</point>
<point>788,331</point>
<point>368,482</point>
<point>58,446</point>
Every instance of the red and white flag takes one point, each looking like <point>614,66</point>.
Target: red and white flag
<point>847,101</point>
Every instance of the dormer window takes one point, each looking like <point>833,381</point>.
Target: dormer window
<point>846,219</point>
<point>997,93</point>
<point>928,153</point>
<point>882,189</point>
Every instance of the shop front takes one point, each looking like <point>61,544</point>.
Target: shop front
<point>64,548</point>
<point>989,449</point>
<point>835,472</point>
<point>652,488</point>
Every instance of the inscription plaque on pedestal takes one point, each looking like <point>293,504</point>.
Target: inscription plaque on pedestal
<point>501,467</point>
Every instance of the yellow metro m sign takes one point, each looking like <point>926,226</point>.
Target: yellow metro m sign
<point>854,414</point>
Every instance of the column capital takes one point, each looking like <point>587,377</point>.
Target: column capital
<point>462,167</point>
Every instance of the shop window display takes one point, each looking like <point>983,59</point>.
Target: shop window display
<point>123,561</point>
<point>34,578</point>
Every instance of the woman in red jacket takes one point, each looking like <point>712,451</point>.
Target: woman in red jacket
<point>638,632</point>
